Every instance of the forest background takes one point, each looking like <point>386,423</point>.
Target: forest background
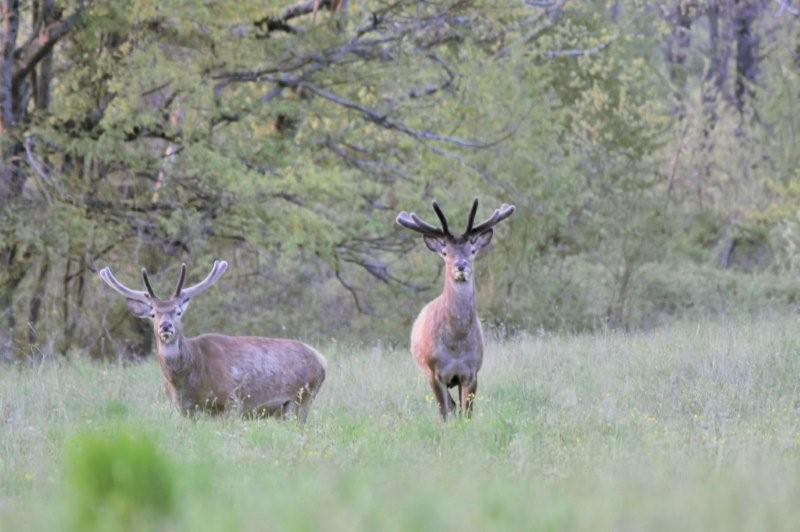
<point>651,149</point>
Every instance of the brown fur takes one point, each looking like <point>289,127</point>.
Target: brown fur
<point>253,375</point>
<point>446,339</point>
<point>256,376</point>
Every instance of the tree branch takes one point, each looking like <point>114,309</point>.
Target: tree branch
<point>576,52</point>
<point>368,166</point>
<point>36,50</point>
<point>384,121</point>
<point>280,22</point>
<point>350,288</point>
<point>785,6</point>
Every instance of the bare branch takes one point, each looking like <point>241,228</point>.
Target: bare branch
<point>281,22</point>
<point>49,36</point>
<point>575,52</point>
<point>433,89</point>
<point>353,292</point>
<point>39,169</point>
<point>376,268</point>
<point>384,121</point>
<point>785,6</point>
<point>551,13</point>
<point>371,167</point>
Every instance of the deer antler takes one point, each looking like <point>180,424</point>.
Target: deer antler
<point>180,281</point>
<point>415,223</point>
<point>217,270</point>
<point>471,219</point>
<point>442,218</point>
<point>498,216</point>
<point>147,284</point>
<point>108,278</point>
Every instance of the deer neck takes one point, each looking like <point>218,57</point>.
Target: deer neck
<point>459,305</point>
<point>177,358</point>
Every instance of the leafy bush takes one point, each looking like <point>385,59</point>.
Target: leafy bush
<point>118,480</point>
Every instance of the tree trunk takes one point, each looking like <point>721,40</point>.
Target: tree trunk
<point>713,88</point>
<point>10,13</point>
<point>615,315</point>
<point>74,291</point>
<point>718,49</point>
<point>746,13</point>
<point>35,307</point>
<point>44,73</point>
<point>10,180</point>
<point>680,17</point>
<point>13,274</point>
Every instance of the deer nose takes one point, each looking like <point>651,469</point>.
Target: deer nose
<point>166,327</point>
<point>461,265</point>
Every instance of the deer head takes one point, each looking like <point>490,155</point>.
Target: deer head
<point>165,313</point>
<point>459,252</point>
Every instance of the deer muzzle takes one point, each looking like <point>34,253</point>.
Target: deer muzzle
<point>461,271</point>
<point>166,331</point>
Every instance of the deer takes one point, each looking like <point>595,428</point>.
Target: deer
<point>259,377</point>
<point>446,338</point>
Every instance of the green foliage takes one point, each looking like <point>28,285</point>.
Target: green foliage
<point>180,131</point>
<point>117,479</point>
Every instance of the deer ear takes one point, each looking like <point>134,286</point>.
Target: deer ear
<point>140,309</point>
<point>434,244</point>
<point>482,240</point>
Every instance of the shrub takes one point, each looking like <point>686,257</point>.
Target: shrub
<point>117,480</point>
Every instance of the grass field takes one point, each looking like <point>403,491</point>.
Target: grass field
<point>692,427</point>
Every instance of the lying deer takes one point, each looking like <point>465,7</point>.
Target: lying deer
<point>446,339</point>
<point>213,372</point>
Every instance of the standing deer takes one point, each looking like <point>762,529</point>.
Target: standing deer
<point>213,372</point>
<point>446,339</point>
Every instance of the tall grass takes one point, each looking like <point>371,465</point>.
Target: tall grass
<point>695,426</point>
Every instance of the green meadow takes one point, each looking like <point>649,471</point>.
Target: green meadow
<point>642,366</point>
<point>691,427</point>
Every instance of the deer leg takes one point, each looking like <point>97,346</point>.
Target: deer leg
<point>288,409</point>
<point>446,403</point>
<point>304,403</point>
<point>467,395</point>
<point>450,402</point>
<point>302,411</point>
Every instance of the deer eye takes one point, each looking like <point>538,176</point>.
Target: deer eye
<point>444,253</point>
